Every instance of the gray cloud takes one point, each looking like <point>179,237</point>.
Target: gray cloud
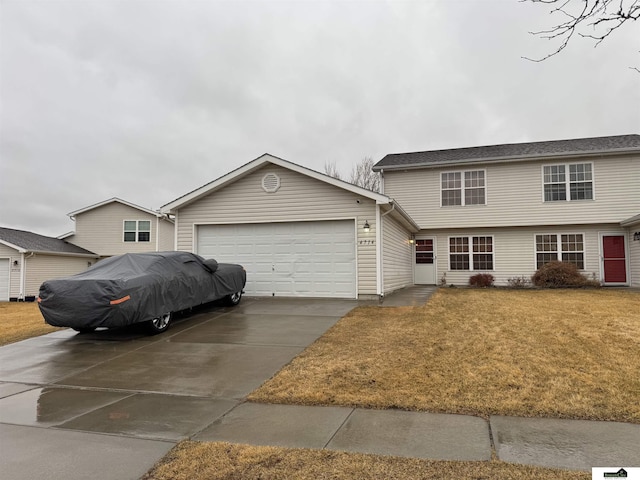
<point>148,100</point>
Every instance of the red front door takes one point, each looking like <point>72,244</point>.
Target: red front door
<point>615,263</point>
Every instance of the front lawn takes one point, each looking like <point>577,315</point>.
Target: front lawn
<point>19,321</point>
<point>530,353</point>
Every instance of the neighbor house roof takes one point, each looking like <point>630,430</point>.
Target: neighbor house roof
<point>619,144</point>
<point>27,242</point>
<point>117,200</point>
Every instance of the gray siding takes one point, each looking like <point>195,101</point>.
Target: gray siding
<point>514,196</point>
<point>45,267</point>
<point>101,230</point>
<point>299,198</point>
<point>397,255</point>
<point>514,250</point>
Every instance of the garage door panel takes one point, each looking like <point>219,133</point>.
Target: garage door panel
<point>311,259</point>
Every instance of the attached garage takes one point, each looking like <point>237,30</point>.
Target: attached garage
<point>293,259</point>
<point>297,232</point>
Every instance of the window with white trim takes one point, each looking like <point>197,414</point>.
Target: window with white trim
<point>577,185</point>
<point>137,231</point>
<point>463,188</point>
<point>471,253</point>
<point>565,247</point>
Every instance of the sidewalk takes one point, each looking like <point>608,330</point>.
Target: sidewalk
<point>570,444</point>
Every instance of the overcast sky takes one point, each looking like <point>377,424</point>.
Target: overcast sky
<point>147,100</point>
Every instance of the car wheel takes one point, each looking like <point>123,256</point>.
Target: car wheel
<point>159,324</point>
<point>234,299</point>
<point>85,329</point>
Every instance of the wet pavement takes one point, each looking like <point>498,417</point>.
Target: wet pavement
<point>108,405</point>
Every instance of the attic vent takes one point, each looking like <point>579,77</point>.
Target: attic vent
<point>270,183</point>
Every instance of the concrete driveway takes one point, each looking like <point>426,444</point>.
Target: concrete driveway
<point>110,404</point>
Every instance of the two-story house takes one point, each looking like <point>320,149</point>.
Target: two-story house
<point>444,214</point>
<point>115,226</point>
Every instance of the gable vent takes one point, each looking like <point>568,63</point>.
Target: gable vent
<point>270,183</point>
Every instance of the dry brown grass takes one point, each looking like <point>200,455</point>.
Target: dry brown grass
<point>19,321</point>
<point>218,461</point>
<point>560,353</point>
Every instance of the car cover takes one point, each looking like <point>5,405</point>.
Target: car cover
<point>134,288</point>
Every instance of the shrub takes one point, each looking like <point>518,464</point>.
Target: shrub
<point>561,274</point>
<point>518,282</point>
<point>482,280</point>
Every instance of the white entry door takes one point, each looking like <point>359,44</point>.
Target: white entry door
<point>4,279</point>
<point>294,259</point>
<point>425,261</point>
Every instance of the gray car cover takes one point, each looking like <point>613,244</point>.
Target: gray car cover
<point>134,288</point>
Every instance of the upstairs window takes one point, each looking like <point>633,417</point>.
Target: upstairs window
<point>463,188</point>
<point>568,182</point>
<point>137,231</point>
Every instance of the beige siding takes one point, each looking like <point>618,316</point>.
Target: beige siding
<point>397,256</point>
<point>634,256</point>
<point>515,196</point>
<point>45,267</point>
<point>166,238</point>
<point>299,198</point>
<point>514,250</point>
<point>101,230</point>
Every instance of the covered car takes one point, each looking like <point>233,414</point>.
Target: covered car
<point>138,287</point>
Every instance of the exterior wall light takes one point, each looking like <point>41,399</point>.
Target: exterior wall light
<point>366,226</point>
<point>636,236</point>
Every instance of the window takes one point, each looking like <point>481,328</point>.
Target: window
<point>471,253</point>
<point>463,188</point>
<point>567,247</point>
<point>424,251</point>
<point>137,231</point>
<point>577,185</point>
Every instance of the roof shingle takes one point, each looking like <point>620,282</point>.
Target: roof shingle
<point>515,151</point>
<point>32,242</point>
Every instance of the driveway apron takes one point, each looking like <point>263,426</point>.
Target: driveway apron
<point>109,404</point>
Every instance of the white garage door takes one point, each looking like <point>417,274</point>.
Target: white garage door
<point>4,279</point>
<point>294,259</point>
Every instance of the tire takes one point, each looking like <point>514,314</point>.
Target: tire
<point>233,299</point>
<point>85,329</point>
<point>160,324</point>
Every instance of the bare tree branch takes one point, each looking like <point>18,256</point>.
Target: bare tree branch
<point>362,174</point>
<point>331,169</point>
<point>594,19</point>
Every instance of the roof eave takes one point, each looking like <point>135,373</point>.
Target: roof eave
<point>246,169</point>
<point>111,200</point>
<point>15,247</point>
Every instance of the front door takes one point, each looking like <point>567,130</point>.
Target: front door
<point>425,265</point>
<point>614,262</point>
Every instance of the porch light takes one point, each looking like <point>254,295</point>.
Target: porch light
<point>636,236</point>
<point>366,226</point>
<point>412,239</point>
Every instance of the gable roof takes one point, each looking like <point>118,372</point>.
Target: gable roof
<point>27,242</point>
<point>116,200</point>
<point>255,165</point>
<point>619,144</point>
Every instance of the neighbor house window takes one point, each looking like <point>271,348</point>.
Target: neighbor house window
<point>137,231</point>
<point>463,188</point>
<point>568,182</point>
<point>471,253</point>
<point>566,247</point>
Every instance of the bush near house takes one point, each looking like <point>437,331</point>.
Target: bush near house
<point>561,274</point>
<point>482,280</point>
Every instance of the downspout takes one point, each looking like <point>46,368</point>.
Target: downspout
<point>157,233</point>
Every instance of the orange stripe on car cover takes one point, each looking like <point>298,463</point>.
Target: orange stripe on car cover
<point>39,300</point>
<point>120,300</point>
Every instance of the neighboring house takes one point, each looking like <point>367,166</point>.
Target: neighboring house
<point>445,214</point>
<point>114,227</point>
<point>509,209</point>
<point>28,259</point>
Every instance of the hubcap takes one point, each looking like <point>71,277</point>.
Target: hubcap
<point>161,322</point>
<point>235,297</point>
